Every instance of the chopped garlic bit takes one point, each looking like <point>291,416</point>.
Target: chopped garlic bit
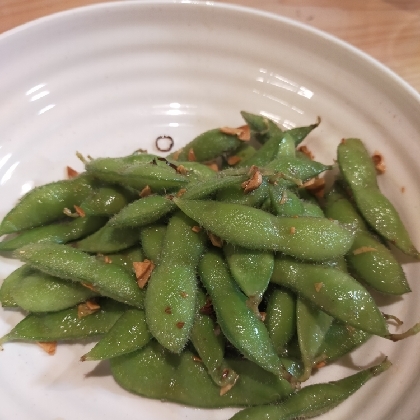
<point>363,249</point>
<point>89,286</point>
<point>79,211</point>
<point>319,286</point>
<point>143,271</point>
<point>71,173</point>
<point>181,169</point>
<point>243,133</point>
<point>316,186</point>
<point>306,151</point>
<point>48,346</point>
<point>378,161</point>
<point>292,230</point>
<point>213,166</point>
<point>87,308</point>
<point>233,160</point>
<point>146,191</point>
<point>181,192</point>
<point>196,229</point>
<point>252,183</point>
<point>215,240</point>
<point>191,155</point>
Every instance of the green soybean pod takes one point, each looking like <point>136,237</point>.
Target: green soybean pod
<point>124,258</point>
<point>152,239</point>
<point>208,146</point>
<point>210,346</point>
<point>66,324</point>
<point>129,333</point>
<point>340,340</point>
<point>6,296</point>
<point>60,233</point>
<point>303,237</point>
<point>40,292</point>
<point>235,194</point>
<point>251,269</point>
<point>237,321</point>
<point>370,260</point>
<point>312,326</point>
<point>170,302</point>
<point>72,264</point>
<point>359,173</point>
<point>313,400</point>
<point>109,239</point>
<point>333,291</point>
<point>154,372</point>
<point>45,204</point>
<point>280,318</point>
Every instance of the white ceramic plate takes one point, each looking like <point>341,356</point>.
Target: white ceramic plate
<point>108,79</point>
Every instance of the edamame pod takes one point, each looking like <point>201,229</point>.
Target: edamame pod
<point>359,173</point>
<point>303,237</point>
<point>313,400</point>
<point>333,291</point>
<point>171,291</point>
<point>6,296</point>
<point>66,324</point>
<point>237,321</point>
<point>72,264</point>
<point>152,238</point>
<point>154,372</point>
<point>129,333</point>
<point>124,258</point>
<point>45,204</point>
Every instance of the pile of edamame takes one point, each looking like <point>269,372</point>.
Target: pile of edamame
<point>213,277</point>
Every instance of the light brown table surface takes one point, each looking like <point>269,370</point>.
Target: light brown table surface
<point>389,30</point>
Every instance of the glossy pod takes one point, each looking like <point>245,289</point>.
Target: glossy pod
<point>124,258</point>
<point>359,173</point>
<point>171,291</point>
<point>40,292</point>
<point>66,324</point>
<point>368,258</point>
<point>333,291</point>
<point>152,238</point>
<point>45,204</point>
<point>237,321</point>
<point>71,264</point>
<point>60,233</point>
<point>313,400</point>
<point>129,333</point>
<point>6,288</point>
<point>156,373</point>
<point>303,237</point>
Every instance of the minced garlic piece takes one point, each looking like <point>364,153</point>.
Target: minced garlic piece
<point>143,271</point>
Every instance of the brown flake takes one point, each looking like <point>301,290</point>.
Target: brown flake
<point>243,133</point>
<point>107,259</point>
<point>292,230</point>
<point>79,211</point>
<point>306,151</point>
<point>233,160</point>
<point>89,286</point>
<point>87,308</point>
<point>253,183</point>
<point>180,324</point>
<point>262,316</point>
<point>48,346</point>
<point>143,271</point>
<point>181,192</point>
<point>197,359</point>
<point>183,294</point>
<point>378,161</point>
<point>168,310</point>
<point>316,186</point>
<point>319,286</point>
<point>71,173</point>
<point>191,155</point>
<point>215,240</point>
<point>320,365</point>
<point>181,169</point>
<point>146,191</point>
<point>213,165</point>
<point>196,229</point>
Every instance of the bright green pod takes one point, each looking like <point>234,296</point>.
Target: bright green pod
<point>280,318</point>
<point>312,325</point>
<point>313,400</point>
<point>72,264</point>
<point>300,133</point>
<point>260,126</point>
<point>340,340</point>
<point>106,200</point>
<point>251,269</point>
<point>370,261</point>
<point>208,146</point>
<point>109,239</point>
<point>45,204</point>
<point>359,173</point>
<point>6,288</point>
<point>303,237</point>
<point>235,194</point>
<point>333,291</point>
<point>285,202</point>
<point>237,321</point>
<point>171,291</point>
<point>129,333</point>
<point>196,170</point>
<point>59,233</point>
<point>154,372</point>
<point>152,239</point>
<point>211,346</point>
<point>41,292</point>
<point>66,324</point>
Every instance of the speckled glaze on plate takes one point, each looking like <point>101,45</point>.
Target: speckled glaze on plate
<point>108,79</point>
